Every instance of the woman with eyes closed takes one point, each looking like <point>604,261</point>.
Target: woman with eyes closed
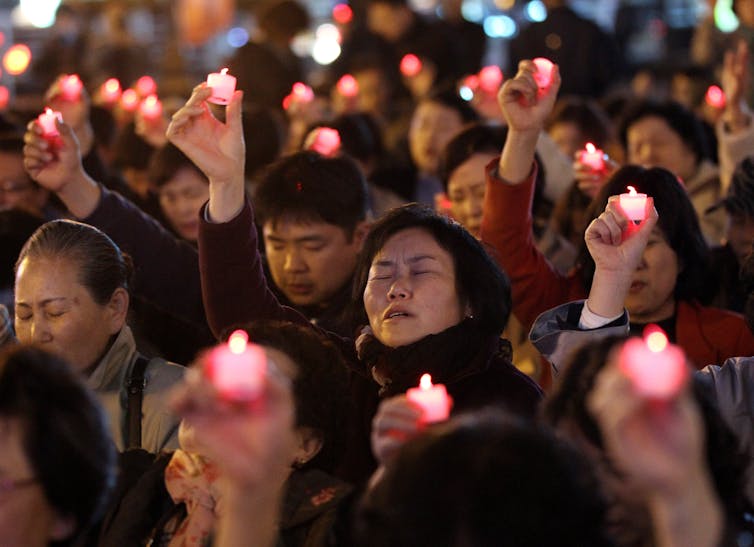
<point>71,298</point>
<point>433,300</point>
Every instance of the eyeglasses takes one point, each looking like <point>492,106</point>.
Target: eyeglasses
<point>7,486</point>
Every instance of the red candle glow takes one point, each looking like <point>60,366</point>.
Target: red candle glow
<point>300,94</point>
<point>342,13</point>
<point>490,78</point>
<point>715,97</point>
<point>411,65</point>
<point>4,97</point>
<point>433,399</point>
<point>146,86</point>
<point>223,85</point>
<point>151,107</point>
<point>129,101</point>
<point>543,75</point>
<point>348,86</point>
<point>46,121</point>
<point>110,91</point>
<point>237,368</point>
<point>592,157</point>
<point>657,368</point>
<point>326,141</point>
<point>633,204</point>
<point>70,87</point>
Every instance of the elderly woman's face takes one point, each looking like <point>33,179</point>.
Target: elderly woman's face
<point>55,311</point>
<point>26,517</point>
<point>411,290</point>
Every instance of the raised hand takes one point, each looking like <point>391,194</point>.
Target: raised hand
<point>524,105</point>
<point>590,181</point>
<point>735,80</point>
<point>215,147</point>
<point>52,164</point>
<point>397,421</point>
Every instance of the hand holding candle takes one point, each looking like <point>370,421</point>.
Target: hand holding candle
<point>592,157</point>
<point>223,86</point>
<point>543,75</point>
<point>151,108</point>
<point>656,367</point>
<point>237,369</point>
<point>110,91</point>
<point>433,399</point>
<point>47,121</point>
<point>634,204</point>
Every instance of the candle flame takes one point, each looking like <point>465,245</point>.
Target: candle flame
<point>48,110</point>
<point>237,342</point>
<point>224,71</point>
<point>657,341</point>
<point>590,148</point>
<point>425,382</point>
<point>631,191</point>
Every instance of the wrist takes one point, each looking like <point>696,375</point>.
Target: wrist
<point>608,292</point>
<point>226,199</point>
<point>80,194</point>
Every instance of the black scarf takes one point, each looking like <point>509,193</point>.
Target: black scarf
<point>456,352</point>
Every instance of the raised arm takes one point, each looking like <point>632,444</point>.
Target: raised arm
<point>234,286</point>
<point>167,269</point>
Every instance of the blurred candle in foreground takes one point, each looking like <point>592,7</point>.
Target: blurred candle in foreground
<point>47,121</point>
<point>237,369</point>
<point>543,75</point>
<point>433,400</point>
<point>657,369</point>
<point>70,87</point>
<point>592,157</point>
<point>223,85</point>
<point>326,141</point>
<point>633,204</point>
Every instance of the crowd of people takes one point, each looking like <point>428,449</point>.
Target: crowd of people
<point>214,323</point>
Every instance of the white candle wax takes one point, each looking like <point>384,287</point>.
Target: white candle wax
<point>657,369</point>
<point>592,157</point>
<point>633,204</point>
<point>47,121</point>
<point>237,368</point>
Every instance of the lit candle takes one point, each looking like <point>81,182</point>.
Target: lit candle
<point>46,120</point>
<point>302,92</point>
<point>326,141</point>
<point>223,85</point>
<point>70,87</point>
<point>348,86</point>
<point>433,400</point>
<point>146,86</point>
<point>411,65</point>
<point>129,101</point>
<point>633,204</point>
<point>592,157</point>
<point>110,91</point>
<point>490,78</point>
<point>4,97</point>
<point>342,13</point>
<point>237,368</point>
<point>543,75</point>
<point>657,368</point>
<point>151,108</point>
<point>715,97</point>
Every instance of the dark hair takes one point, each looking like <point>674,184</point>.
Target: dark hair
<point>283,18</point>
<point>587,115</point>
<point>747,283</point>
<point>104,125</point>
<point>740,197</point>
<point>264,133</point>
<point>485,479</point>
<point>130,150</point>
<point>319,387</point>
<point>683,122</point>
<point>567,402</point>
<point>12,142</point>
<point>678,222</point>
<point>309,187</point>
<point>475,138</point>
<point>16,226</point>
<point>480,283</point>
<point>166,162</point>
<point>448,97</point>
<point>65,434</point>
<point>102,267</point>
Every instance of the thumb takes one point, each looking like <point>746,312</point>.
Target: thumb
<point>650,220</point>
<point>233,114</point>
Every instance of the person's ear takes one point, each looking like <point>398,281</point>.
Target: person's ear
<point>360,233</point>
<point>118,309</point>
<point>308,445</point>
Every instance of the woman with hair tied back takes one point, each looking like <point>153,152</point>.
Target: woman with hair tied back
<point>71,298</point>
<point>57,462</point>
<point>433,299</point>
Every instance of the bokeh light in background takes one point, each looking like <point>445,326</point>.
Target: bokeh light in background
<point>326,47</point>
<point>16,60</point>
<point>499,26</point>
<point>237,37</point>
<point>536,11</point>
<point>37,13</point>
<point>725,19</point>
